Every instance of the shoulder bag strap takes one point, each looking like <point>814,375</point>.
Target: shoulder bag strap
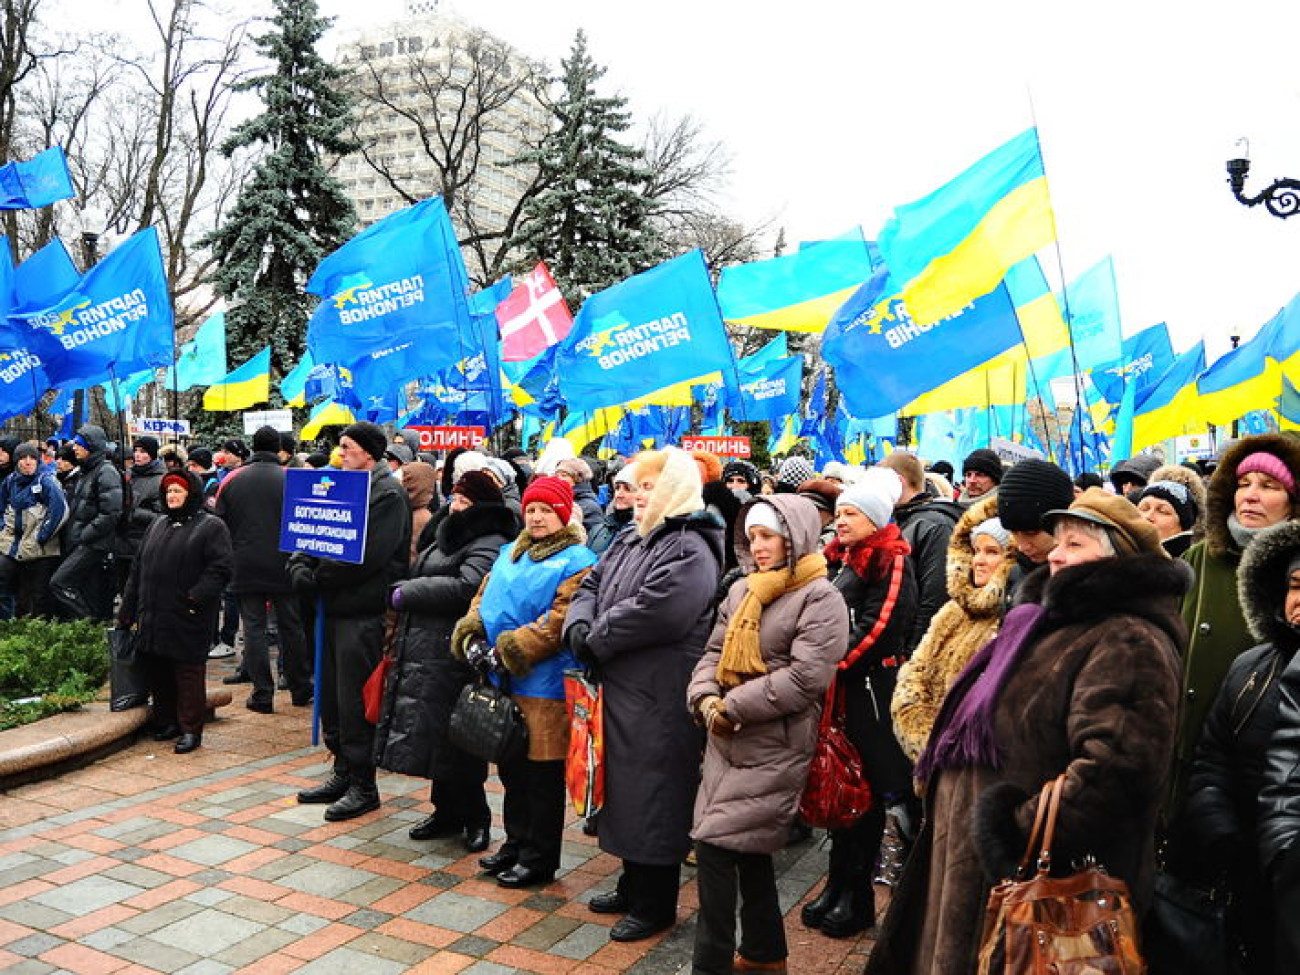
<point>1035,833</point>
<point>886,611</point>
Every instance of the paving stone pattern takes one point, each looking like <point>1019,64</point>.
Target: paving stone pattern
<point>204,864</point>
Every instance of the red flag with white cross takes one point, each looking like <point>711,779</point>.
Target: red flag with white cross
<point>533,317</point>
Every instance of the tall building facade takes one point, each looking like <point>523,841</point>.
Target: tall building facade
<point>433,96</point>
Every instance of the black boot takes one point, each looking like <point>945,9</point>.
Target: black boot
<point>360,799</point>
<point>853,912</point>
<point>331,790</point>
<point>815,911</point>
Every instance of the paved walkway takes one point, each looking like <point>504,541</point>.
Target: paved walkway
<point>204,864</point>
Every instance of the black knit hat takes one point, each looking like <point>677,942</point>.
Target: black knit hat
<point>983,461</point>
<point>148,444</point>
<point>746,470</point>
<point>369,437</point>
<point>201,457</point>
<point>236,447</point>
<point>1028,490</point>
<point>266,440</point>
<point>1178,497</point>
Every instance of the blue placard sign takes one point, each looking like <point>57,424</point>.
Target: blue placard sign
<point>324,513</point>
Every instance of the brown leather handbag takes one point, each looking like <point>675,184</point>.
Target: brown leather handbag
<point>1036,924</point>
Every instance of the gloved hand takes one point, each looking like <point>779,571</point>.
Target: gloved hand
<point>714,711</point>
<point>395,598</point>
<point>302,578</point>
<point>480,655</point>
<point>576,636</point>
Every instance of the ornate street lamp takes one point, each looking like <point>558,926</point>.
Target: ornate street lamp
<point>1281,197</point>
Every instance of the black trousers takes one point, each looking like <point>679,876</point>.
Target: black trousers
<point>650,889</point>
<point>294,662</point>
<point>534,811</point>
<point>229,628</point>
<point>82,585</point>
<point>722,875</point>
<point>179,692</point>
<point>458,795</point>
<point>25,587</point>
<point>351,654</point>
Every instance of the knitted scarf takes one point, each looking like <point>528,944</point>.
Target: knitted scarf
<point>742,654</point>
<point>963,734</point>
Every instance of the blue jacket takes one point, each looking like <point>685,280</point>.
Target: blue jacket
<point>521,592</point>
<point>33,510</point>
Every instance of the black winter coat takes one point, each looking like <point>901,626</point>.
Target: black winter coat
<point>353,590</point>
<point>927,524</point>
<point>250,501</point>
<point>650,604</point>
<point>1279,821</point>
<point>411,737</point>
<point>95,505</point>
<point>146,505</point>
<point>585,498</point>
<point>880,592</point>
<point>174,590</point>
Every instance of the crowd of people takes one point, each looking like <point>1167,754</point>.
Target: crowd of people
<point>1136,635</point>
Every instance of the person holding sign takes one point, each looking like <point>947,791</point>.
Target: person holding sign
<point>355,599</point>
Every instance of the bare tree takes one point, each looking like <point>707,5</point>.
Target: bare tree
<point>439,117</point>
<point>687,169</point>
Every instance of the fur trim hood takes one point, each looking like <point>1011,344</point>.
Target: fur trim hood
<point>1262,585</point>
<point>541,549</point>
<point>798,515</point>
<point>989,598</point>
<point>1219,496</point>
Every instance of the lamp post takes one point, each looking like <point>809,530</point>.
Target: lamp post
<point>1281,197</point>
<point>89,255</point>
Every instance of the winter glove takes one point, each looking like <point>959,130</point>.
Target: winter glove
<point>302,578</point>
<point>395,598</point>
<point>480,655</point>
<point>576,638</point>
<point>714,712</point>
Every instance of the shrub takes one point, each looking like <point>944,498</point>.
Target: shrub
<point>64,664</point>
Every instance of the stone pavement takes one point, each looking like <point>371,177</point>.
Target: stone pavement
<point>149,861</point>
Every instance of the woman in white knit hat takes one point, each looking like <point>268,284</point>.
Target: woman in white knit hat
<point>871,569</point>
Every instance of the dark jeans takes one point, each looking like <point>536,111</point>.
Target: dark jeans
<point>352,651</point>
<point>25,587</point>
<point>229,629</point>
<point>294,662</point>
<point>534,811</point>
<point>179,692</point>
<point>82,585</point>
<point>722,874</point>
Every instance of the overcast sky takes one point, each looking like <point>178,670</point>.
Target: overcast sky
<point>834,112</point>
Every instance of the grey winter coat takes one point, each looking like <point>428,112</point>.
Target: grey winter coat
<point>411,737</point>
<point>649,602</point>
<point>753,779</point>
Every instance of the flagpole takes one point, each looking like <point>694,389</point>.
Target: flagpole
<point>121,410</point>
<point>1065,291</point>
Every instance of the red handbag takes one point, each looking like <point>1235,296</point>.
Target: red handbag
<point>372,692</point>
<point>836,794</point>
<point>584,768</point>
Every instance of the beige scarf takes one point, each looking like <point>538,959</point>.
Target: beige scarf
<point>742,653</point>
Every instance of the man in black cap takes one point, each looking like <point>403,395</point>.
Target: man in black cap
<point>981,473</point>
<point>355,599</point>
<point>1130,476</point>
<point>250,501</point>
<point>199,463</point>
<point>1029,490</point>
<point>232,453</point>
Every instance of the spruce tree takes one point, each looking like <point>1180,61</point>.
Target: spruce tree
<point>591,221</point>
<point>290,212</point>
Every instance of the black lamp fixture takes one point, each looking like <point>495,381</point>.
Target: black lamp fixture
<point>1281,197</point>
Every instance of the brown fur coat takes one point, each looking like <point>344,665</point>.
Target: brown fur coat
<point>966,622</point>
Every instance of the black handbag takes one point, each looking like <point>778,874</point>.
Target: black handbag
<point>128,686</point>
<point>1186,930</point>
<point>487,724</point>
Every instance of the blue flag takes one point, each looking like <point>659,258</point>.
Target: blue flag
<point>118,317</point>
<point>400,284</point>
<point>884,360</point>
<point>1145,357</point>
<point>770,393</point>
<point>23,379</point>
<point>202,360</point>
<point>43,278</point>
<point>653,330</point>
<point>38,182</point>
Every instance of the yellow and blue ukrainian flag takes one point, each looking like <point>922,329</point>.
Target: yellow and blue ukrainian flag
<point>246,386</point>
